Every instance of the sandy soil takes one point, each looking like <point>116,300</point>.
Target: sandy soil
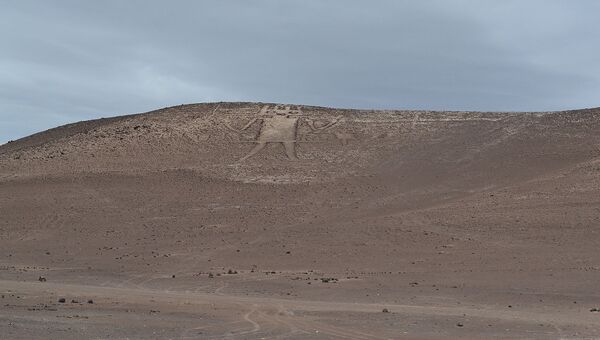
<point>240,221</point>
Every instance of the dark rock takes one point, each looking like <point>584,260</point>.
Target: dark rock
<point>385,310</point>
<point>42,279</point>
<point>62,300</point>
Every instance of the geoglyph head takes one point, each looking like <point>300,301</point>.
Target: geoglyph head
<point>280,110</point>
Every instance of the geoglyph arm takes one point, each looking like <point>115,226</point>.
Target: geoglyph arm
<point>315,129</point>
<point>242,129</point>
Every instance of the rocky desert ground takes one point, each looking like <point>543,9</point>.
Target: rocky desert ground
<point>265,221</point>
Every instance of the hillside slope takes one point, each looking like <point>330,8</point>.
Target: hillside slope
<point>250,220</point>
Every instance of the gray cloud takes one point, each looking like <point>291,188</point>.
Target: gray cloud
<point>64,61</point>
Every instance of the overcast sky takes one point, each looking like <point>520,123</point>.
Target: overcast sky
<point>65,61</point>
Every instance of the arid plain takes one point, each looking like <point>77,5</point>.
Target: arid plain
<point>254,220</point>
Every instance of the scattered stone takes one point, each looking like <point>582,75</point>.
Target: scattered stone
<point>211,275</point>
<point>62,300</point>
<point>231,271</point>
<point>74,301</point>
<point>42,279</point>
<point>595,310</point>
<point>385,310</point>
<point>90,301</point>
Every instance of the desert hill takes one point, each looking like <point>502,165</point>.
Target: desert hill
<point>250,220</point>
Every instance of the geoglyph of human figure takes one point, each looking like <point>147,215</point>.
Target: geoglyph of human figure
<point>279,124</point>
